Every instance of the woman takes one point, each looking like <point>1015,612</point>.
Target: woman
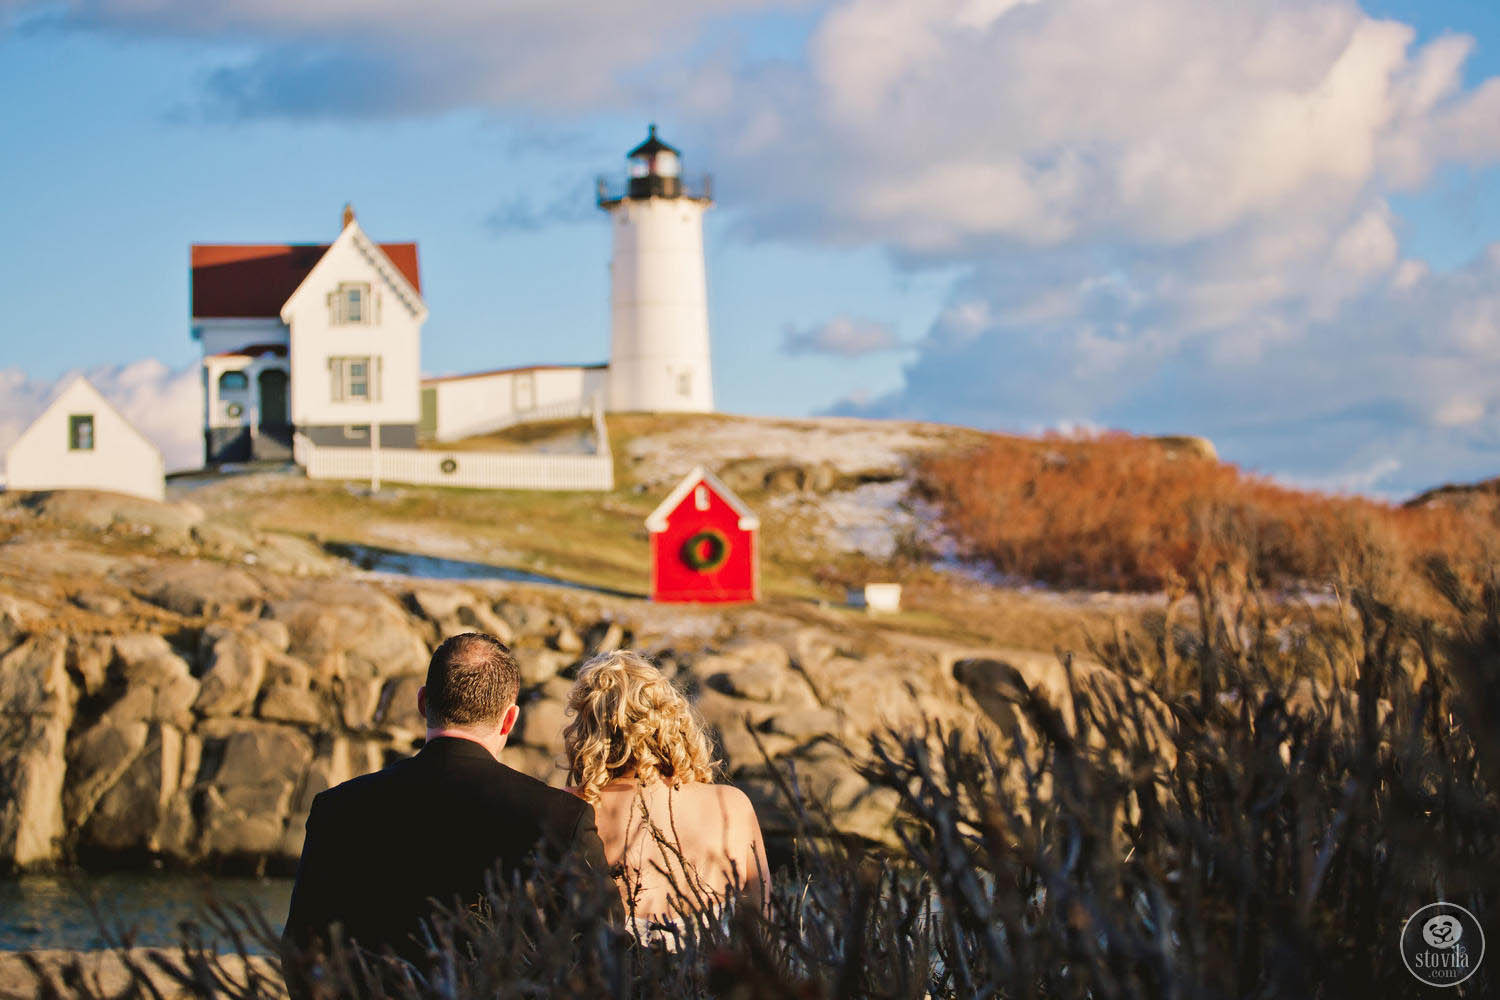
<point>676,841</point>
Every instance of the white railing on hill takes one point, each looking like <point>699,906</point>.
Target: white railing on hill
<point>491,470</point>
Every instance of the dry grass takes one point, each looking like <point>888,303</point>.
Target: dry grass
<point>1123,513</point>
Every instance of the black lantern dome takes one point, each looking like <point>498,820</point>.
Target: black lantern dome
<point>655,169</point>
<point>655,172</point>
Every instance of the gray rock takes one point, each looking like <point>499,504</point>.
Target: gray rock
<point>146,658</point>
<point>38,701</point>
<point>830,780</point>
<point>95,762</point>
<point>157,684</point>
<point>742,750</point>
<point>358,698</point>
<point>198,589</point>
<point>88,661</point>
<point>558,689</point>
<point>755,681</point>
<point>611,636</point>
<point>541,724</point>
<point>293,556</point>
<point>477,617</point>
<point>523,619</point>
<point>169,523</point>
<point>565,640</point>
<point>759,671</point>
<point>287,670</point>
<point>541,665</point>
<point>14,623</point>
<point>438,605</point>
<point>540,764</point>
<point>724,712</point>
<point>346,629</point>
<point>223,540</point>
<point>398,704</point>
<point>230,685</point>
<point>129,816</point>
<point>286,703</point>
<point>271,633</point>
<point>249,794</point>
<point>100,602</point>
<point>804,724</point>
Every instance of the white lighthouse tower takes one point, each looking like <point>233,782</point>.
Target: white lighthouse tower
<point>659,359</point>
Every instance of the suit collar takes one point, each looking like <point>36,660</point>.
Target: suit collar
<point>449,747</point>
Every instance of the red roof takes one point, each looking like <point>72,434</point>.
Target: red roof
<point>249,280</point>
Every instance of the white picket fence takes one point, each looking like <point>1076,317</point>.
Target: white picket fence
<point>488,470</point>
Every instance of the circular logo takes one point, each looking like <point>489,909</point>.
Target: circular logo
<point>1442,944</point>
<point>448,466</point>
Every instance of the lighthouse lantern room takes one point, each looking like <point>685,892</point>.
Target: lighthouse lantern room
<point>659,354</point>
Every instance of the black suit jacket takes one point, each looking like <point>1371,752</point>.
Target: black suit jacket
<point>379,848</point>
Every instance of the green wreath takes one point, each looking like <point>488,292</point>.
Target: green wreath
<point>705,551</point>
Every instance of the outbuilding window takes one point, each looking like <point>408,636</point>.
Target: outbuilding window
<point>352,303</point>
<point>354,380</point>
<point>81,432</point>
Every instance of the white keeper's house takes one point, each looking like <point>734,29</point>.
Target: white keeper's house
<point>81,442</point>
<point>321,338</point>
<point>323,341</point>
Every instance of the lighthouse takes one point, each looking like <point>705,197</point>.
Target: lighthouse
<point>659,357</point>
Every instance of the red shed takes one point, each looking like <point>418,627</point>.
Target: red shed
<point>703,544</point>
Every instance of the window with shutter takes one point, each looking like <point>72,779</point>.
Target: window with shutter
<point>354,380</point>
<point>351,304</point>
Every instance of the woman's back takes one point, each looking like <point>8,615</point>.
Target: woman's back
<point>680,848</point>
<point>641,756</point>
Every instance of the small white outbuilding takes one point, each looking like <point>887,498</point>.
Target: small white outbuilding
<point>81,442</point>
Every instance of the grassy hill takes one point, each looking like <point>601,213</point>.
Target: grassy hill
<point>1030,542</point>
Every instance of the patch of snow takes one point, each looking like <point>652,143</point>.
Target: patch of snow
<point>850,446</point>
<point>388,563</point>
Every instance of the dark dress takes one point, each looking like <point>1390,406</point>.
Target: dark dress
<point>381,847</point>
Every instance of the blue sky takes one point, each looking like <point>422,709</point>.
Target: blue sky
<point>1037,214</point>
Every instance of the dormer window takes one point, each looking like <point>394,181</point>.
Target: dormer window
<point>352,303</point>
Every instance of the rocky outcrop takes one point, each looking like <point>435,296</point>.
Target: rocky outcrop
<point>188,710</point>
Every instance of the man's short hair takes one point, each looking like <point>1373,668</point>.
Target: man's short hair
<point>471,681</point>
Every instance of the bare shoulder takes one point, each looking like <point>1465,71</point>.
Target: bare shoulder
<point>730,800</point>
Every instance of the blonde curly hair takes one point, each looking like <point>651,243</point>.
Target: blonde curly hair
<point>628,719</point>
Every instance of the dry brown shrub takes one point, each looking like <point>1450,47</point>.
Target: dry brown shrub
<point>1125,513</point>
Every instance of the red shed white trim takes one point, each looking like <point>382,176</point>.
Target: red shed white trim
<point>703,544</point>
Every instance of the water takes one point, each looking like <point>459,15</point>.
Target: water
<point>393,562</point>
<point>53,911</point>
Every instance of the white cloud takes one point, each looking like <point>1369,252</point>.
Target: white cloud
<point>845,336</point>
<point>164,404</point>
<point>393,57</point>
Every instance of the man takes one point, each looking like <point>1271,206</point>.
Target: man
<point>382,848</point>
